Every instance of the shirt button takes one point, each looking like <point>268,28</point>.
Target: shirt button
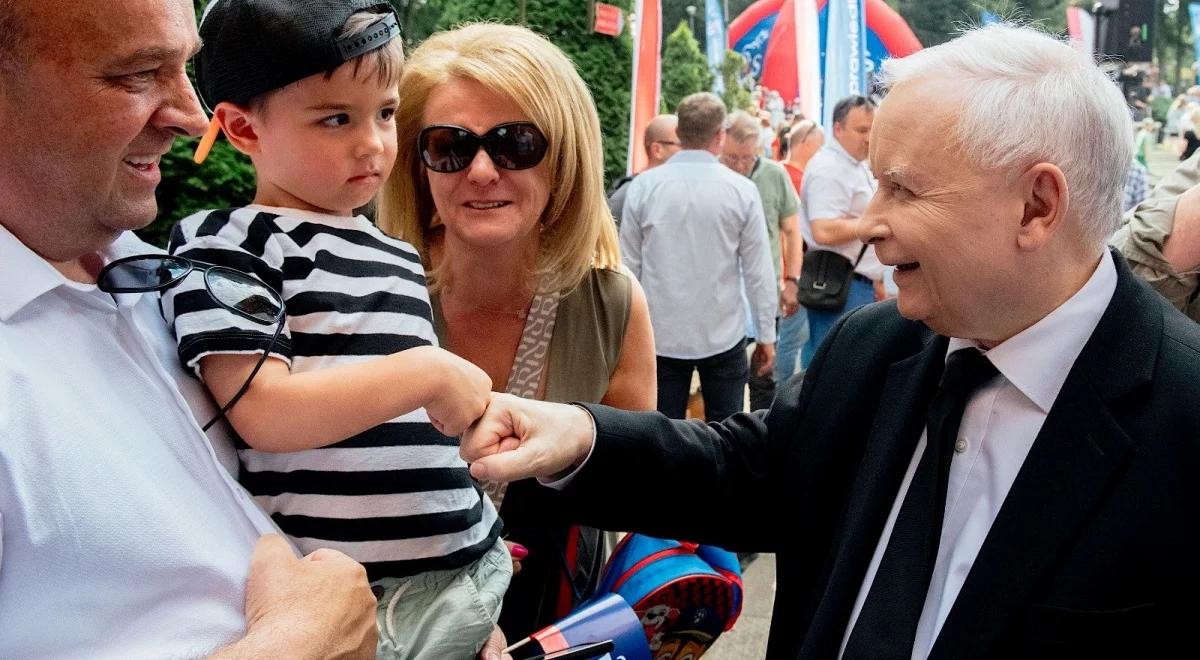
<point>961,445</point>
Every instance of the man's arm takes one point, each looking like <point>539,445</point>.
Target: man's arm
<point>834,231</point>
<point>1161,237</point>
<point>754,253</point>
<point>793,259</point>
<point>720,474</point>
<point>317,607</point>
<point>722,483</point>
<point>827,201</point>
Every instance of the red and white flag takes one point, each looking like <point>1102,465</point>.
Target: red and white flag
<point>647,78</point>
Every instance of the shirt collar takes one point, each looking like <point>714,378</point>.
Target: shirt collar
<point>1037,359</point>
<point>836,147</point>
<point>693,156</point>
<point>27,276</point>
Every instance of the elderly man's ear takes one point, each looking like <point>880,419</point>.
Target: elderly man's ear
<point>1044,189</point>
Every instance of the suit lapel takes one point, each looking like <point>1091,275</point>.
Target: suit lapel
<point>898,424</point>
<point>1080,448</point>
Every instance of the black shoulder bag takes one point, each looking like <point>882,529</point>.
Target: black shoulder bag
<point>825,279</point>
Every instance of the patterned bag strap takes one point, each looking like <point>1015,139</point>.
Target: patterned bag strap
<point>530,363</point>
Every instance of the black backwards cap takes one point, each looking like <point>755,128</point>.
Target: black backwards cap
<point>251,47</point>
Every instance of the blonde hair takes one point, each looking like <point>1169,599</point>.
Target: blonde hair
<point>578,232</point>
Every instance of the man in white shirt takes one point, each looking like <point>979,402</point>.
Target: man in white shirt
<point>691,230</point>
<point>122,535</point>
<point>999,464</point>
<point>837,187</point>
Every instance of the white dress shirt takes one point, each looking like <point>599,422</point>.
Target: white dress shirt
<point>687,228</point>
<point>1001,421</point>
<point>838,186</point>
<point>121,534</point>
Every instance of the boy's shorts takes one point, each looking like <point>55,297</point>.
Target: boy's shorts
<point>442,615</point>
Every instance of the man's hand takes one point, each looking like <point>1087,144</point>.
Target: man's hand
<point>462,393</point>
<point>320,606</point>
<point>789,298</point>
<point>763,359</point>
<point>518,438</point>
<point>493,648</point>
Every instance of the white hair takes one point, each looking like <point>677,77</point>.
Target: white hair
<point>1028,98</point>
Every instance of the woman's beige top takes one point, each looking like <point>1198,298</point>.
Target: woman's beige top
<point>588,334</point>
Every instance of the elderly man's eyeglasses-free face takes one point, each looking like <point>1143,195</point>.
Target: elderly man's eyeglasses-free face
<point>234,290</point>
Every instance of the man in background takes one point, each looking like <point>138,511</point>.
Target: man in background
<point>837,188</point>
<point>661,143</point>
<point>780,205</point>
<point>692,230</point>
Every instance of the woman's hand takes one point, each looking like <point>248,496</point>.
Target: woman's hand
<point>517,552</point>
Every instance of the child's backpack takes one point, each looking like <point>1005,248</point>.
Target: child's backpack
<point>685,594</point>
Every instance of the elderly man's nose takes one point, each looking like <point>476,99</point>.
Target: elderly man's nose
<point>872,228</point>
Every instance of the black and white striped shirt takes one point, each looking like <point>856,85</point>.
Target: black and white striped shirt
<point>397,497</point>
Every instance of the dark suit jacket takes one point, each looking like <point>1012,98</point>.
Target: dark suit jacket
<point>1092,554</point>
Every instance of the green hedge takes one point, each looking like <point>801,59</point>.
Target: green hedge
<point>684,68</point>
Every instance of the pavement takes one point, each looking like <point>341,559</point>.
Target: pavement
<point>748,639</point>
<point>1160,161</point>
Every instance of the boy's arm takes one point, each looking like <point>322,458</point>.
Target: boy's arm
<point>283,412</point>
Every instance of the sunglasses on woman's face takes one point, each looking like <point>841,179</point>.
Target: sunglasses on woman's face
<point>514,146</point>
<point>234,290</point>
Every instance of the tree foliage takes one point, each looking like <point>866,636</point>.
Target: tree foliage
<point>736,96</point>
<point>684,68</point>
<point>674,11</point>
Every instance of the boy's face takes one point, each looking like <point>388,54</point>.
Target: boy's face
<point>325,145</point>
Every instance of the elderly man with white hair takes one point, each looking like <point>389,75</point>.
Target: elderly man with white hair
<point>1001,463</point>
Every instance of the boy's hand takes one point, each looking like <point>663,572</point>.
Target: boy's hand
<point>461,393</point>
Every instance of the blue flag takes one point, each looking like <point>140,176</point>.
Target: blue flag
<point>1194,12</point>
<point>845,56</point>
<point>714,41</point>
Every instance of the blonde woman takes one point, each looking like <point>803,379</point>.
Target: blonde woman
<point>498,183</point>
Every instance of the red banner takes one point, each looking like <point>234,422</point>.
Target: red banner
<point>647,67</point>
<point>609,20</point>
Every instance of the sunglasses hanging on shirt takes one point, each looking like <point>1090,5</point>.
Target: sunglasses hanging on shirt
<point>234,290</point>
<point>513,146</point>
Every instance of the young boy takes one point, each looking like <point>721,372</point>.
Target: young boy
<point>339,430</point>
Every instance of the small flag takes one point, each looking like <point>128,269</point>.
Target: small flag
<point>608,617</point>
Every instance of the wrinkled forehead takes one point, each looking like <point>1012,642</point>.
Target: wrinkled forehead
<point>915,127</point>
